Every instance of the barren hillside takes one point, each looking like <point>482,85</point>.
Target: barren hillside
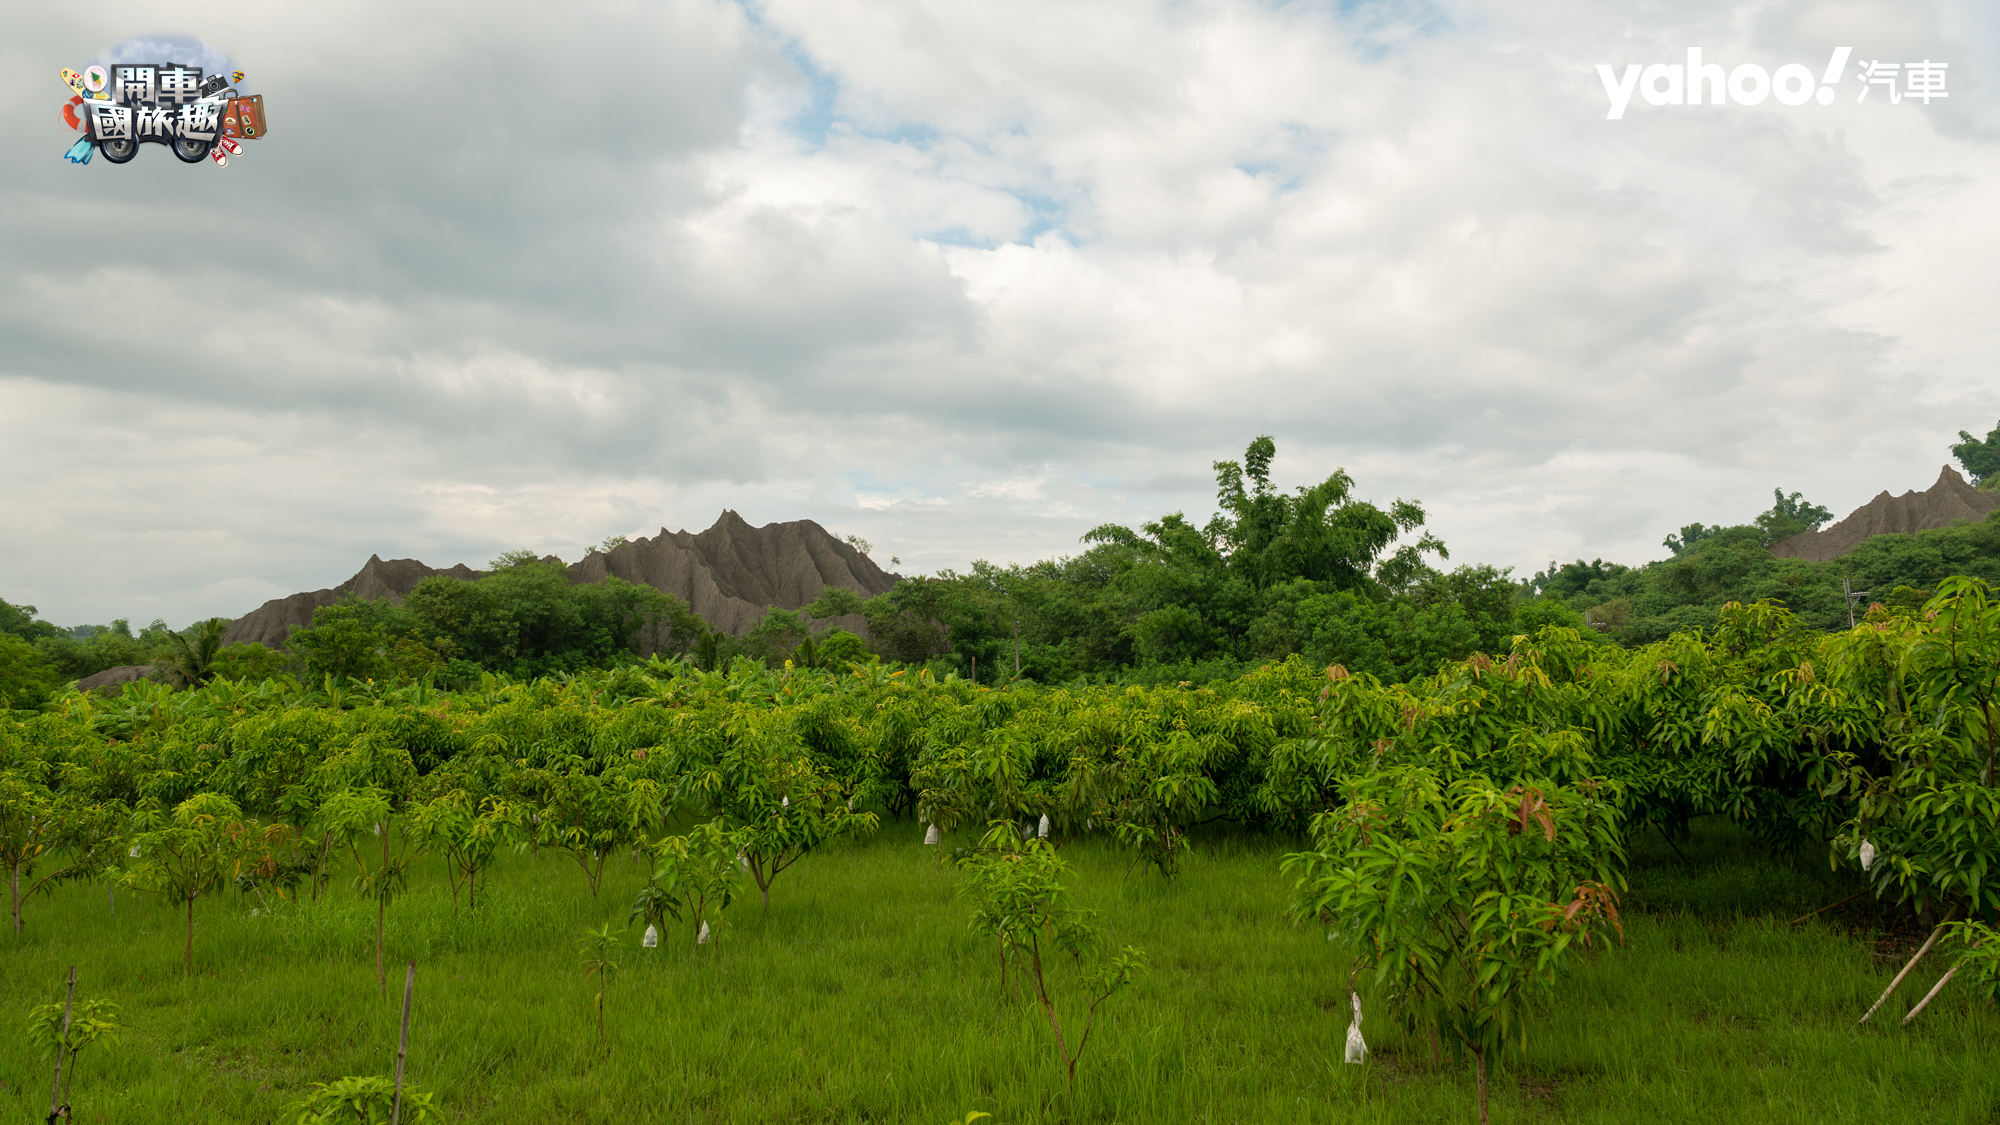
<point>1943,504</point>
<point>729,575</point>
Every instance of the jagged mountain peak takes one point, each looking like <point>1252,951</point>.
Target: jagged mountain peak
<point>729,574</point>
<point>1944,503</point>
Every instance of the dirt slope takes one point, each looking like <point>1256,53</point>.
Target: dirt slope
<point>1943,504</point>
<point>729,575</point>
<point>271,622</point>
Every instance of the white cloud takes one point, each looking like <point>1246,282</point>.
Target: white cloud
<point>969,279</point>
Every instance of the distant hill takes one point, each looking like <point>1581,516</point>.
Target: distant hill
<point>730,575</point>
<point>1947,502</point>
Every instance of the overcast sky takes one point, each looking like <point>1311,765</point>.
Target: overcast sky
<point>968,279</point>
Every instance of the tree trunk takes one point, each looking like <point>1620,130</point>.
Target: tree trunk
<point>381,907</point>
<point>17,895</point>
<point>55,1093</point>
<point>1479,1058</point>
<point>187,954</point>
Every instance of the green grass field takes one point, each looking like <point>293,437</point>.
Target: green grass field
<point>863,997</point>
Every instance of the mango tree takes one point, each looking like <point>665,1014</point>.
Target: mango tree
<point>62,1031</point>
<point>38,826</point>
<point>589,817</point>
<point>693,874</point>
<point>1018,896</point>
<point>467,832</point>
<point>1464,897</point>
<point>196,850</point>
<point>1164,788</point>
<point>1926,824</point>
<point>753,778</point>
<point>364,820</point>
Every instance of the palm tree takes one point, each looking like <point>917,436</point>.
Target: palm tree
<point>187,663</point>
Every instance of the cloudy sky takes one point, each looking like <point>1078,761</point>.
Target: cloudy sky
<point>969,278</point>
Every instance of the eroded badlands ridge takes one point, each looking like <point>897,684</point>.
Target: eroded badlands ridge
<point>729,575</point>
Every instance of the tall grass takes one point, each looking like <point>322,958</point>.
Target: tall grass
<point>862,996</point>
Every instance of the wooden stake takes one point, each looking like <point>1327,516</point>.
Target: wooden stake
<point>1928,996</point>
<point>1932,994</point>
<point>55,1094</point>
<point>403,1047</point>
<point>1932,940</point>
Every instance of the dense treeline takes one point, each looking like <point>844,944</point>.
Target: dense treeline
<point>1315,572</point>
<point>1639,605</point>
<point>1334,579</point>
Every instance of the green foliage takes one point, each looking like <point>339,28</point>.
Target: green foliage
<point>1321,534</point>
<point>1319,572</point>
<point>250,663</point>
<point>1018,897</point>
<point>1688,538</point>
<point>526,618</point>
<point>1981,458</point>
<point>839,649</point>
<point>90,1022</point>
<point>1732,565</point>
<point>834,601</point>
<point>365,1101</point>
<point>27,679</point>
<point>190,657</point>
<point>1980,961</point>
<point>777,802</point>
<point>363,817</point>
<point>1926,803</point>
<point>694,876</point>
<point>1465,896</point>
<point>774,639</point>
<point>94,648</point>
<point>1789,516</point>
<point>39,825</point>
<point>588,817</point>
<point>358,639</point>
<point>19,621</point>
<point>198,849</point>
<point>467,831</point>
<point>1161,790</point>
<point>598,945</point>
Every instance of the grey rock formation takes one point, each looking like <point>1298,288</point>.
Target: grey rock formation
<point>729,575</point>
<point>113,680</point>
<point>1947,502</point>
<point>270,623</point>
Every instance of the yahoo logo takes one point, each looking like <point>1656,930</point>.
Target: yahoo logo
<point>1701,83</point>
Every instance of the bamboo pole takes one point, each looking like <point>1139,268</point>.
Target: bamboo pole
<point>1932,940</point>
<point>55,1093</point>
<point>1932,994</point>
<point>403,1046</point>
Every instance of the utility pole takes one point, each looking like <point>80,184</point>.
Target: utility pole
<point>1853,595</point>
<point>1017,647</point>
